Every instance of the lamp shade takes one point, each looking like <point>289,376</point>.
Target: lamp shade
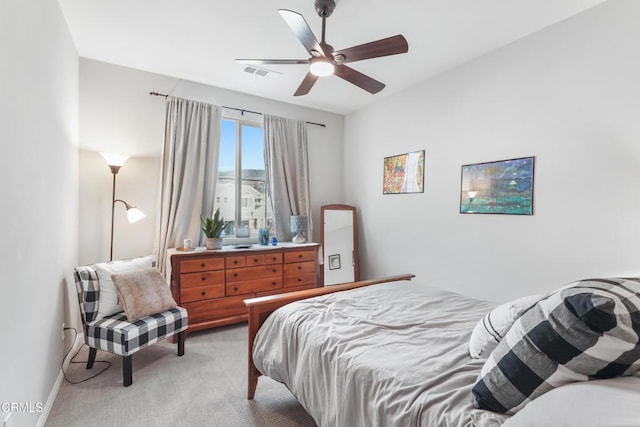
<point>299,224</point>
<point>114,159</point>
<point>134,214</point>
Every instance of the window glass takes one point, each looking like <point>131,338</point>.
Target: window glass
<point>226,185</point>
<point>242,178</point>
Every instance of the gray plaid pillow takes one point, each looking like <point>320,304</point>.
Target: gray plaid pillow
<point>586,330</point>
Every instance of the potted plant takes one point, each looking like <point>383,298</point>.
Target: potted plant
<point>212,227</point>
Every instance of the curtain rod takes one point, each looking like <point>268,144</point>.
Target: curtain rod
<point>242,110</point>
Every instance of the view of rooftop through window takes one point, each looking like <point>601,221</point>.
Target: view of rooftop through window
<point>241,189</point>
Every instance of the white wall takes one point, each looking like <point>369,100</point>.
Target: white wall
<point>39,194</point>
<point>569,95</point>
<point>117,114</point>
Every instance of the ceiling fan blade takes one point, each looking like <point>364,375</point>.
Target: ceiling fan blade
<point>301,29</point>
<point>384,47</point>
<point>357,78</point>
<point>306,85</point>
<point>272,61</point>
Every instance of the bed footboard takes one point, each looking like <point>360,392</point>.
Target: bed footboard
<point>260,308</point>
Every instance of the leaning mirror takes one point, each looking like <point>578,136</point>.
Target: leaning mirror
<point>339,239</point>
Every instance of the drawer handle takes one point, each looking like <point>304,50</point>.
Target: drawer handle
<point>300,256</point>
<point>255,260</point>
<point>274,259</point>
<point>235,289</point>
<point>203,293</point>
<point>235,261</point>
<point>204,278</point>
<point>274,271</point>
<point>299,279</point>
<point>203,265</point>
<point>235,274</point>
<point>299,267</point>
<point>274,283</point>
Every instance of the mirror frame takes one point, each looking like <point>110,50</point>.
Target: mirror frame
<point>341,207</point>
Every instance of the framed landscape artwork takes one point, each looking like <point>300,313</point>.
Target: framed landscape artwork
<point>501,187</point>
<point>404,173</point>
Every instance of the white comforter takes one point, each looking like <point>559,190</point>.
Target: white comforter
<point>393,354</point>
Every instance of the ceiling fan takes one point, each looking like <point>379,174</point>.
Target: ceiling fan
<point>325,61</point>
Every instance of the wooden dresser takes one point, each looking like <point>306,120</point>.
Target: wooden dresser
<point>212,285</point>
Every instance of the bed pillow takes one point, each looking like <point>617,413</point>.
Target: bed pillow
<point>611,402</point>
<point>108,300</point>
<point>586,330</point>
<point>143,293</point>
<point>491,328</point>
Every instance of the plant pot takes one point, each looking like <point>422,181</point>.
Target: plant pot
<point>214,243</point>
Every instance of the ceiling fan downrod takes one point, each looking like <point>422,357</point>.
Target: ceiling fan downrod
<point>324,8</point>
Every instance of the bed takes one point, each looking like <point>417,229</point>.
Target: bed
<point>386,352</point>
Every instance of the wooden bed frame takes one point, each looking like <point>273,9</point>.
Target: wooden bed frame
<point>260,309</point>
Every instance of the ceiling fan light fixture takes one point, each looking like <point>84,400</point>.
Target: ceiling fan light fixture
<point>321,67</point>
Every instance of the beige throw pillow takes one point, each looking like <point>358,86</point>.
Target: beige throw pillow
<point>143,293</point>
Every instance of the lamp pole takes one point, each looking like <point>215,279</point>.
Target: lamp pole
<point>114,171</point>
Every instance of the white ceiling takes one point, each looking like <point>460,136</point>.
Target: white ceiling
<point>198,40</point>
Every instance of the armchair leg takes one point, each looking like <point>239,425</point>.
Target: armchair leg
<point>92,357</point>
<point>127,376</point>
<point>181,343</point>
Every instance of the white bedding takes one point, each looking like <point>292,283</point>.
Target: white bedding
<point>392,354</point>
<point>601,403</point>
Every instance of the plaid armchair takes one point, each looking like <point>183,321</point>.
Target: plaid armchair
<point>113,333</point>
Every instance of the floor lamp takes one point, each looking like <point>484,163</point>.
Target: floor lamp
<point>115,162</point>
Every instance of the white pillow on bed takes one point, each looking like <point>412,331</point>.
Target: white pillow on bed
<point>494,325</point>
<point>611,402</point>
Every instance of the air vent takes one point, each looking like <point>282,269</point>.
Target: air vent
<point>261,72</point>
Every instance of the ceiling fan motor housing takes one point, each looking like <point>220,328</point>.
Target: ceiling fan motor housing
<point>324,8</point>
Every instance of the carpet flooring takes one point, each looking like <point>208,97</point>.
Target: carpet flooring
<point>205,387</point>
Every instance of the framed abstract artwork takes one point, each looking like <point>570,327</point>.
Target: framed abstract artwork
<point>501,187</point>
<point>404,173</point>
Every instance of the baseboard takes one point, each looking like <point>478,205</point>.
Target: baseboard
<point>52,398</point>
<point>44,415</point>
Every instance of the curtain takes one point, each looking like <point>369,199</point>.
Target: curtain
<point>188,173</point>
<point>287,172</point>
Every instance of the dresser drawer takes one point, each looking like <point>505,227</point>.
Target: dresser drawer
<point>204,264</point>
<point>201,293</point>
<point>251,273</point>
<point>275,258</point>
<point>299,268</point>
<point>205,278</point>
<point>202,311</point>
<point>235,261</point>
<point>300,280</point>
<point>299,256</point>
<point>238,288</point>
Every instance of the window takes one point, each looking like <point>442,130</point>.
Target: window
<point>241,181</point>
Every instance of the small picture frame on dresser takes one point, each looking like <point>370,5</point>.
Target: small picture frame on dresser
<point>334,262</point>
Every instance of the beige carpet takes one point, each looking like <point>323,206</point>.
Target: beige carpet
<point>205,387</point>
